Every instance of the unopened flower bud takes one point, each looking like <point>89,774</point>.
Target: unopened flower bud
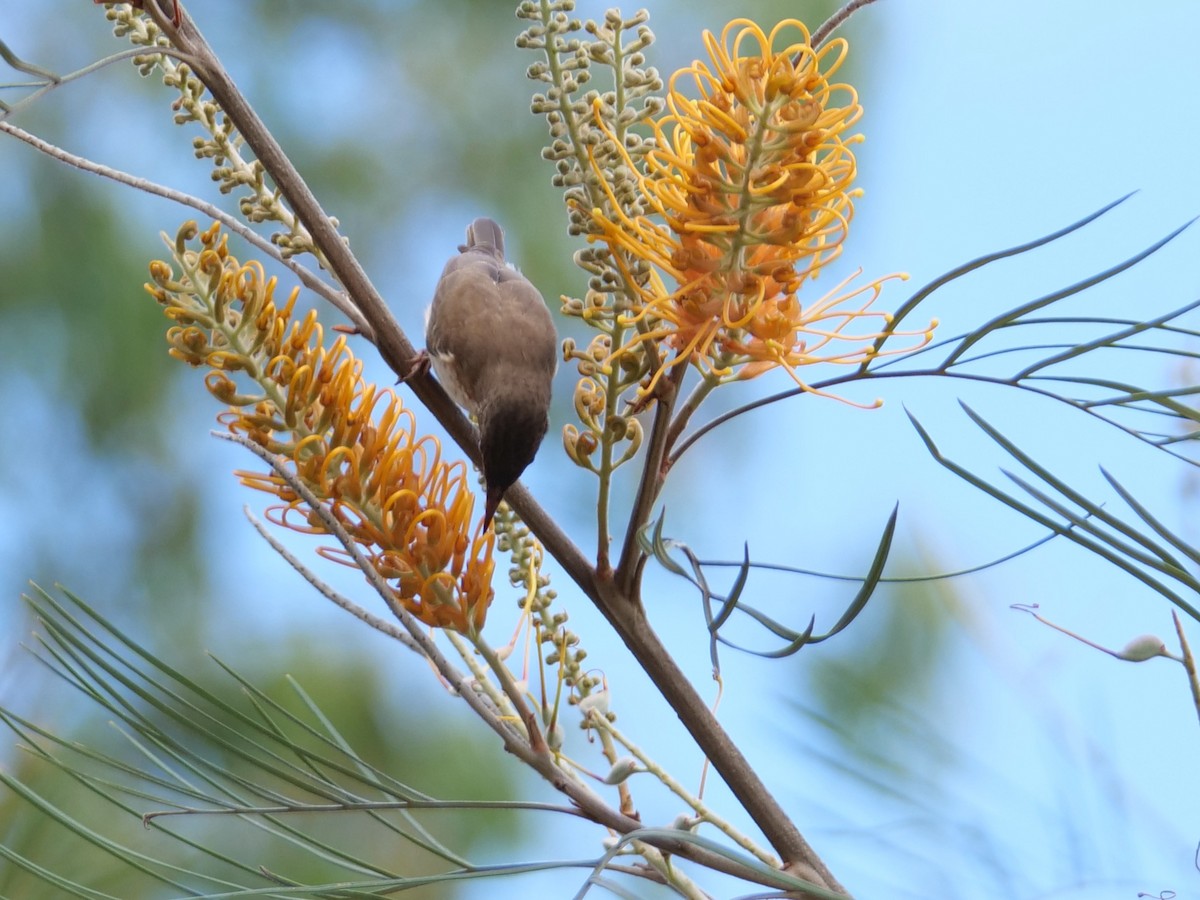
<point>622,769</point>
<point>1142,648</point>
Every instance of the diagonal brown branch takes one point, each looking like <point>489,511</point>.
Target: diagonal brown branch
<point>591,805</point>
<point>620,607</point>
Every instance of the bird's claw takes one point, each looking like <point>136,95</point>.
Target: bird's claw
<point>417,368</point>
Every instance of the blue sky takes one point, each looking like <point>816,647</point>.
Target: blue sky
<point>985,126</point>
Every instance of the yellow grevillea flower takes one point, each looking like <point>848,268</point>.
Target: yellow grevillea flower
<point>748,194</point>
<point>352,444</point>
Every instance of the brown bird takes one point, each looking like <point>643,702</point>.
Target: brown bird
<point>492,343</point>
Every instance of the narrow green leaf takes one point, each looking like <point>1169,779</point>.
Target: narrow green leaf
<point>1160,558</point>
<point>1070,533</point>
<point>1144,514</point>
<point>1018,312</point>
<point>1108,340</point>
<point>915,300</point>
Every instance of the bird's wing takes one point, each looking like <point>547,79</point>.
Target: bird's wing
<point>536,342</point>
<point>471,321</point>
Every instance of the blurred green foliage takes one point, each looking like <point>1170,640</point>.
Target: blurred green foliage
<point>402,117</point>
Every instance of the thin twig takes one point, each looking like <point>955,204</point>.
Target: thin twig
<point>51,81</point>
<point>513,739</point>
<point>837,20</point>
<point>327,591</point>
<point>703,812</point>
<point>591,803</point>
<point>309,279</point>
<point>1078,404</point>
<point>428,648</point>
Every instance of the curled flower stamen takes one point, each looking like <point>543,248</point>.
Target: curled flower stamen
<point>747,195</point>
<point>353,445</point>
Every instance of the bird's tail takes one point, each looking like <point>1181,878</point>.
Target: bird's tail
<point>484,234</point>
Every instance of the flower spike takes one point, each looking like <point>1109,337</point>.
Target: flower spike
<point>748,194</point>
<point>353,445</point>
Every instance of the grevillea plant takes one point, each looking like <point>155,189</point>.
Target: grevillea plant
<point>706,207</point>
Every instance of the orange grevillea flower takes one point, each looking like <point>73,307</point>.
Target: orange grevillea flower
<point>747,194</point>
<point>353,445</point>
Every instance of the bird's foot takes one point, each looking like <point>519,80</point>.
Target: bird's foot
<point>664,391</point>
<point>418,367</point>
